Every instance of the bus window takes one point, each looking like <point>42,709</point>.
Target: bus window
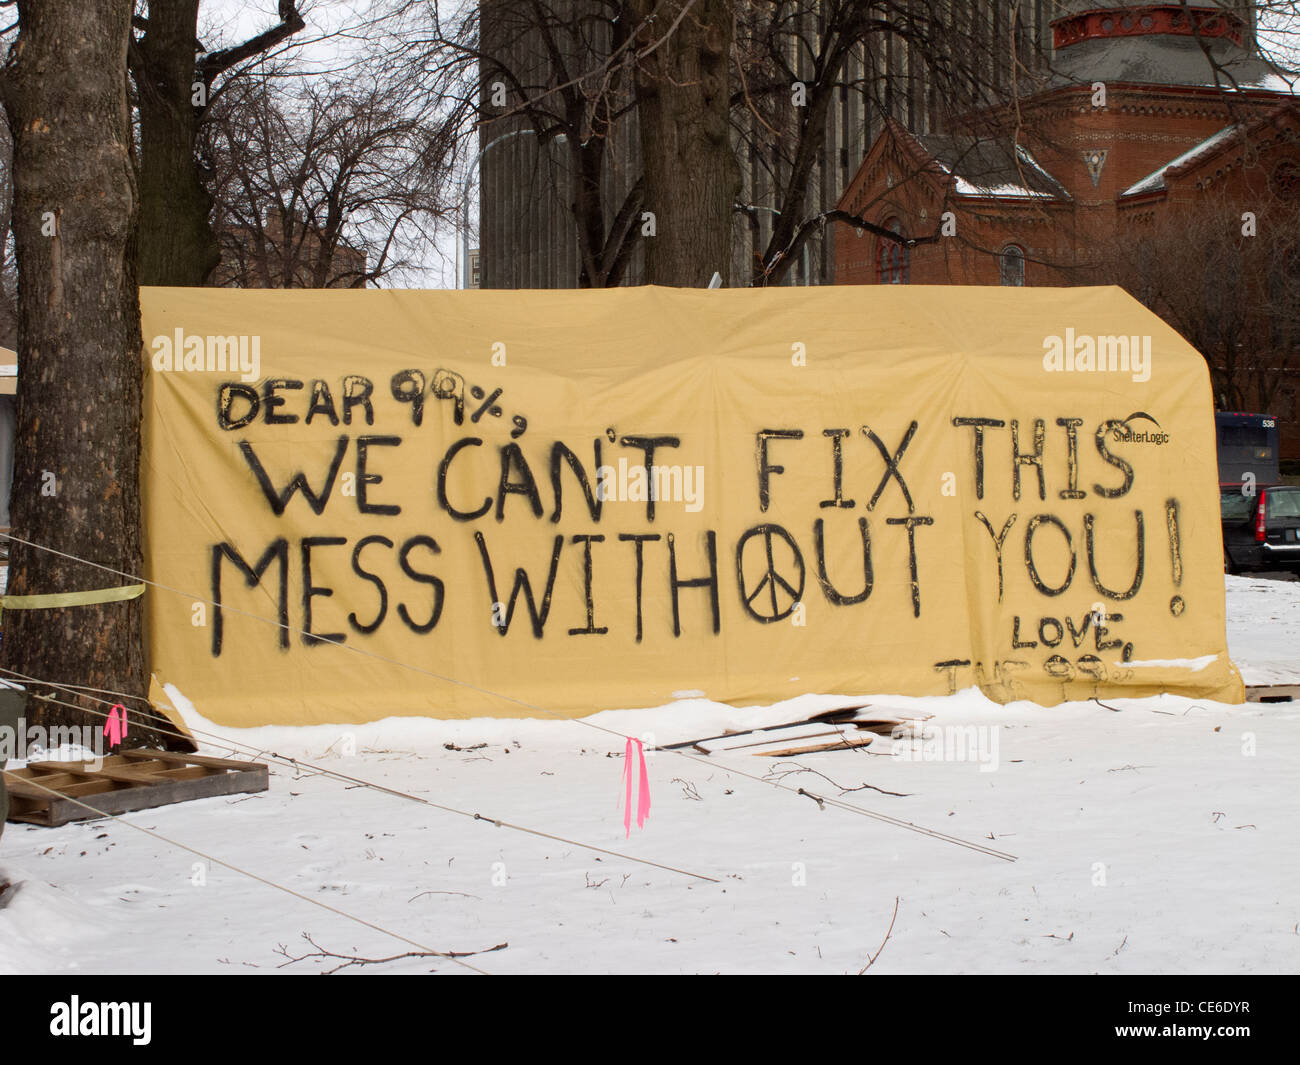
<point>1247,444</point>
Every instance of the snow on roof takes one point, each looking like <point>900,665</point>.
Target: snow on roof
<point>1286,82</point>
<point>1156,179</point>
<point>1276,83</point>
<point>991,167</point>
<point>1013,189</point>
<point>965,188</point>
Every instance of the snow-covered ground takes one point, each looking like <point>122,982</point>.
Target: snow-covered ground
<point>1160,836</point>
<point>1264,629</point>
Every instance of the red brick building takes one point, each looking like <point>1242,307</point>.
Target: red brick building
<point>269,254</point>
<point>1131,147</point>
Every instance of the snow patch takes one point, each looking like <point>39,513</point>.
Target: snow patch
<point>44,928</point>
<point>1192,665</point>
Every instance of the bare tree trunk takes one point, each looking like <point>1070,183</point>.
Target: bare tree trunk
<point>692,178</point>
<point>76,481</point>
<point>176,244</point>
<point>8,275</point>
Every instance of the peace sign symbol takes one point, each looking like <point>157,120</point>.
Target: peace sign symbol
<point>772,581</point>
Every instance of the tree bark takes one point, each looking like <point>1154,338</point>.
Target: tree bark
<point>76,485</point>
<point>176,244</point>
<point>692,178</point>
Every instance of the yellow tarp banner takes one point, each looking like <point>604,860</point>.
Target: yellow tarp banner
<point>589,500</point>
<point>161,702</point>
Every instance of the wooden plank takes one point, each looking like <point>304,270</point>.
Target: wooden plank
<point>838,714</point>
<point>77,787</point>
<point>189,772</point>
<point>190,759</point>
<point>808,732</point>
<point>59,775</point>
<point>1272,693</point>
<point>130,781</point>
<point>880,726</point>
<point>62,775</point>
<point>17,786</point>
<point>50,780</point>
<point>883,726</point>
<point>125,776</point>
<point>21,804</point>
<point>61,811</point>
<point>132,770</point>
<point>838,745</point>
<point>112,761</point>
<point>91,786</point>
<point>79,769</point>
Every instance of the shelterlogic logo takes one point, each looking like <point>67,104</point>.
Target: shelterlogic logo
<point>1124,433</point>
<point>212,354</point>
<point>1073,353</point>
<point>79,1018</point>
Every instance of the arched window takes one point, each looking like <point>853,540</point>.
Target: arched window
<point>1286,179</point>
<point>1011,264</point>
<point>893,261</point>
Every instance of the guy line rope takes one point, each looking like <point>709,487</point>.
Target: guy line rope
<point>451,955</point>
<point>828,800</point>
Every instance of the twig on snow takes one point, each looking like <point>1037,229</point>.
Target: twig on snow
<point>461,893</point>
<point>872,960</point>
<point>352,959</point>
<point>688,789</point>
<point>780,772</point>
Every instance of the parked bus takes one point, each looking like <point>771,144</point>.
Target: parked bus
<point>1247,445</point>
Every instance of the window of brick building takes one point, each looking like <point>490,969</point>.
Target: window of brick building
<point>1286,179</point>
<point>893,261</point>
<point>1011,264</point>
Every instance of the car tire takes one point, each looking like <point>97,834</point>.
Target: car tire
<point>1228,567</point>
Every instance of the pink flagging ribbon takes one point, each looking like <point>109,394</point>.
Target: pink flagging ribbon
<point>115,727</point>
<point>643,788</point>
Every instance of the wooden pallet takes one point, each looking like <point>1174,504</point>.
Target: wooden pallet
<point>843,744</point>
<point>774,740</point>
<point>708,744</point>
<point>1272,693</point>
<point>130,780</point>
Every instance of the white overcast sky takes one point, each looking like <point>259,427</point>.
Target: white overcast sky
<point>226,22</point>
